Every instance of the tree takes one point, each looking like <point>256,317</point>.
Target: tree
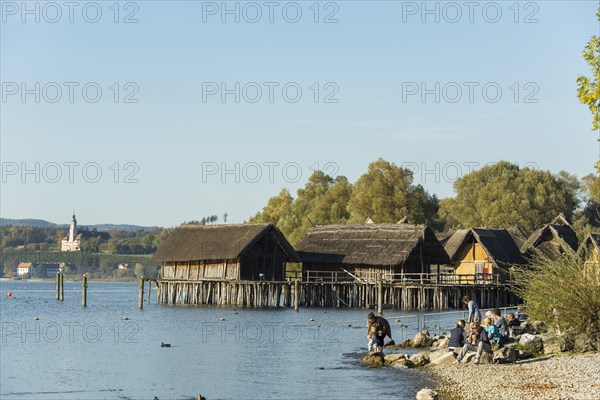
<point>138,270</point>
<point>386,194</point>
<point>10,268</point>
<point>502,195</point>
<point>588,89</point>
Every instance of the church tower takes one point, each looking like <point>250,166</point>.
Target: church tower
<point>73,229</point>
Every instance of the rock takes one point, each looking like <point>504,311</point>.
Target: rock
<point>446,359</point>
<point>434,355</point>
<point>523,355</point>
<point>532,343</point>
<point>419,359</point>
<point>443,342</point>
<point>390,343</point>
<point>566,342</point>
<point>391,358</point>
<point>583,342</point>
<point>427,394</point>
<point>407,343</point>
<point>535,327</point>
<point>505,355</point>
<point>402,363</point>
<point>422,339</point>
<point>373,360</point>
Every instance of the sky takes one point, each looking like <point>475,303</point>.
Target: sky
<point>160,112</point>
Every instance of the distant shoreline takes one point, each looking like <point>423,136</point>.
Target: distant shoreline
<point>69,280</point>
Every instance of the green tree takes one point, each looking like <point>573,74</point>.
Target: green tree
<point>138,270</point>
<point>385,193</point>
<point>588,89</point>
<point>502,195</point>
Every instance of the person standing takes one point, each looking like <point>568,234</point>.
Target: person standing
<point>474,313</point>
<point>383,329</point>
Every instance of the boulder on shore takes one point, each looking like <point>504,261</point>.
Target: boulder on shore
<point>505,355</point>
<point>532,342</point>
<point>422,339</point>
<point>427,394</point>
<point>446,359</point>
<point>373,360</point>
<point>419,359</point>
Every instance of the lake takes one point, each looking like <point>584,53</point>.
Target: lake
<point>73,352</point>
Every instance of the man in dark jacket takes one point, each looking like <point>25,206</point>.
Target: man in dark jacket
<point>478,341</point>
<point>383,328</point>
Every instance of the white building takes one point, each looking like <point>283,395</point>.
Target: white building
<point>73,241</point>
<point>25,268</point>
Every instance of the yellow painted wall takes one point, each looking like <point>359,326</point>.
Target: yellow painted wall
<point>471,255</point>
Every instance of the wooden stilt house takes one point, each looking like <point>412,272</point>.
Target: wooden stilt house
<point>551,239</point>
<point>483,253</point>
<point>225,252</point>
<point>368,251</point>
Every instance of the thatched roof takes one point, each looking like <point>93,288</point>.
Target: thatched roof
<point>560,220</point>
<point>591,241</point>
<point>558,233</point>
<point>517,235</point>
<point>444,236</point>
<point>498,244</point>
<point>218,242</point>
<point>369,244</point>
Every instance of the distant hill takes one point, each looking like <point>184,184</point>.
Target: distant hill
<point>40,223</point>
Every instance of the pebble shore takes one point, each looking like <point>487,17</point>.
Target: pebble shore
<point>561,377</point>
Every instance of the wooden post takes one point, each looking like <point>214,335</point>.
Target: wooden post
<point>296,295</point>
<point>380,296</point>
<point>61,294</point>
<point>141,294</point>
<point>149,290</point>
<point>58,286</point>
<point>84,291</point>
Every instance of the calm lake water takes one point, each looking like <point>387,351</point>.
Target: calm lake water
<point>93,353</point>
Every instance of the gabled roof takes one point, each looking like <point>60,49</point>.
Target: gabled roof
<point>369,244</point>
<point>559,233</point>
<point>218,242</point>
<point>25,265</point>
<point>518,236</point>
<point>591,241</point>
<point>560,220</point>
<point>498,244</point>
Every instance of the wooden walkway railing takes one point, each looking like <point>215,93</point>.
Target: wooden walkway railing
<point>442,279</point>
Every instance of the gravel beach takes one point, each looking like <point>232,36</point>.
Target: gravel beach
<point>560,377</point>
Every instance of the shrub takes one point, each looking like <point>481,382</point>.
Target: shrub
<point>561,282</point>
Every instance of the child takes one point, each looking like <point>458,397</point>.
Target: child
<point>492,331</point>
<point>372,336</point>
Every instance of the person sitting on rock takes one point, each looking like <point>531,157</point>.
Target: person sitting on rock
<point>478,341</point>
<point>383,328</point>
<point>492,331</point>
<point>502,325</point>
<point>514,325</point>
<point>458,336</point>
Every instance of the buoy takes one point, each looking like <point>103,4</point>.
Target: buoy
<point>9,294</point>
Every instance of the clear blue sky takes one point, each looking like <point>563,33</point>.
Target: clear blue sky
<point>375,57</point>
